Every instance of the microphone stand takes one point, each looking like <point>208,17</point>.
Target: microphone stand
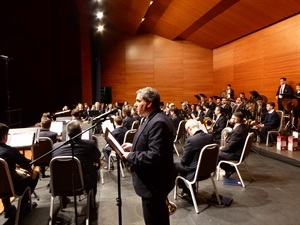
<point>71,141</point>
<point>119,198</point>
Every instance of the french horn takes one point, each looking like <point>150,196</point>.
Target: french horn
<point>208,123</point>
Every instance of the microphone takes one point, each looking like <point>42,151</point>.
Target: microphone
<point>105,114</point>
<point>5,57</point>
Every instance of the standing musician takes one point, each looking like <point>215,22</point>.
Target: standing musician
<point>297,109</point>
<point>229,92</point>
<point>283,89</point>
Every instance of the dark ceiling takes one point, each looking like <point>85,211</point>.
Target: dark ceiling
<point>208,23</point>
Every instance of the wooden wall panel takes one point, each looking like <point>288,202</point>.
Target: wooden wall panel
<point>260,59</point>
<point>178,69</point>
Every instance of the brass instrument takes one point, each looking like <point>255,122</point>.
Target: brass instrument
<point>25,173</point>
<point>171,206</point>
<point>209,123</point>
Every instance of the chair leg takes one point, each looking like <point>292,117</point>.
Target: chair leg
<point>175,190</point>
<point>101,176</point>
<point>194,198</point>
<point>267,141</point>
<point>36,196</point>
<point>174,144</point>
<point>240,177</point>
<point>51,210</point>
<point>247,167</point>
<point>218,171</point>
<point>216,190</point>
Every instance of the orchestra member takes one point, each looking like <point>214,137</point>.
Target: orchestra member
<point>220,122</point>
<point>127,118</point>
<point>192,148</point>
<point>86,151</point>
<point>297,109</point>
<point>271,121</point>
<point>119,134</point>
<point>283,89</point>
<point>208,112</point>
<point>174,114</point>
<point>234,143</point>
<point>211,103</point>
<point>13,158</point>
<point>229,92</point>
<point>45,132</point>
<point>151,157</point>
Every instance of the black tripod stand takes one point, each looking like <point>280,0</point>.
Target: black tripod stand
<point>290,127</point>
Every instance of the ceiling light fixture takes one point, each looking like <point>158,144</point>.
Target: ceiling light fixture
<point>99,15</point>
<point>100,28</point>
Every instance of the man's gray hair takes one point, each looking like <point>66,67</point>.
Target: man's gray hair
<point>150,94</point>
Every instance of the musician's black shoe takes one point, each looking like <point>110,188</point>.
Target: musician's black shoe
<point>228,174</point>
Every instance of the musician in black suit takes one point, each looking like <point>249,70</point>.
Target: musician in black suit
<point>151,157</point>
<point>192,148</point>
<point>86,151</point>
<point>220,122</point>
<point>297,109</point>
<point>119,134</point>
<point>283,89</point>
<point>13,157</point>
<point>208,112</point>
<point>271,121</point>
<point>234,143</point>
<point>45,132</point>
<point>174,115</point>
<point>229,92</point>
<point>127,118</point>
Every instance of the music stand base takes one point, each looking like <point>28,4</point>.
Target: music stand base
<point>225,201</point>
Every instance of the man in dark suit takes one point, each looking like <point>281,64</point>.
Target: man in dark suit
<point>271,121</point>
<point>283,90</point>
<point>45,130</point>
<point>118,133</point>
<point>297,109</point>
<point>86,151</point>
<point>192,149</point>
<point>151,157</point>
<point>234,143</point>
<point>229,92</point>
<point>220,122</point>
<point>127,118</point>
<point>13,158</point>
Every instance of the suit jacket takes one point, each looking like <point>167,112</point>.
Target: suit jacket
<point>235,142</point>
<point>127,122</point>
<point>152,156</point>
<point>272,120</point>
<point>119,134</point>
<point>50,134</point>
<point>287,90</point>
<point>88,154</point>
<point>192,149</point>
<point>220,124</point>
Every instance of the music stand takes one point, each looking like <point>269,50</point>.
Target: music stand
<point>290,125</point>
<point>120,155</point>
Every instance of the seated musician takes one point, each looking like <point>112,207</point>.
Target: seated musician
<point>208,112</point>
<point>271,121</point>
<point>234,143</point>
<point>45,132</point>
<point>174,115</point>
<point>220,122</point>
<point>86,151</point>
<point>118,133</point>
<point>193,145</point>
<point>13,157</point>
<point>227,109</point>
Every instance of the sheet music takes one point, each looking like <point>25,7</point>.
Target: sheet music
<point>113,142</point>
<point>23,137</point>
<point>57,127</point>
<point>107,124</point>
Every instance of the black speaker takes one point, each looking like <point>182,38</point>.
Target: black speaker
<point>106,95</point>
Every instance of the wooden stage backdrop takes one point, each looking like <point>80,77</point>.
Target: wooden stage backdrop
<point>180,69</point>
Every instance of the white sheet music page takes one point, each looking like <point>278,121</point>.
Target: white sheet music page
<point>20,139</point>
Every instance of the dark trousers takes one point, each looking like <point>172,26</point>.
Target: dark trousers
<point>155,210</point>
<point>20,185</point>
